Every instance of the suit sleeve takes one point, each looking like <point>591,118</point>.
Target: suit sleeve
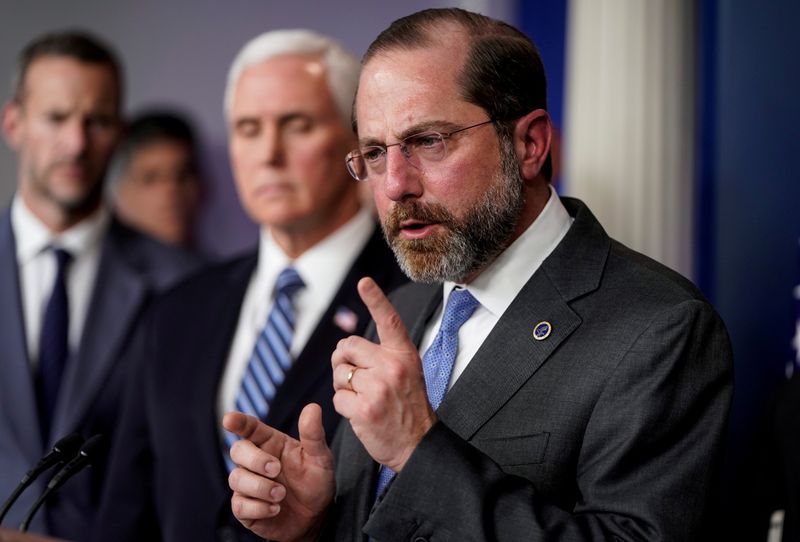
<point>649,457</point>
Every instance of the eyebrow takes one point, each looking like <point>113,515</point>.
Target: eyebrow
<point>414,129</point>
<point>281,119</point>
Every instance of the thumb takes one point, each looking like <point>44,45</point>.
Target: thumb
<point>312,434</point>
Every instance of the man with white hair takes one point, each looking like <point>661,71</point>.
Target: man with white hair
<point>256,333</point>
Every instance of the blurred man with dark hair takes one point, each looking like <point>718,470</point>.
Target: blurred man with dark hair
<point>73,281</point>
<point>539,381</point>
<point>155,183</point>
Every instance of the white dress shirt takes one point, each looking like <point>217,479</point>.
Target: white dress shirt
<point>497,286</point>
<point>37,269</point>
<point>322,268</point>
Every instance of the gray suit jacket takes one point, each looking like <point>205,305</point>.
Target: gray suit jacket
<point>132,267</point>
<point>609,429</point>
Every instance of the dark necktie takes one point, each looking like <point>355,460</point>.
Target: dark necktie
<point>53,343</point>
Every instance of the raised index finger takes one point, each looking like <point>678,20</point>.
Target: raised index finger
<point>391,331</point>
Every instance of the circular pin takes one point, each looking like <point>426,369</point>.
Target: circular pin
<point>542,330</point>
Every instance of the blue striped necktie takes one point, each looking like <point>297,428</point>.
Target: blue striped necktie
<point>271,358</point>
<point>53,343</point>
<point>437,363</point>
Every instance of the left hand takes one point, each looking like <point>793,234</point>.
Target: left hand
<point>282,487</point>
<point>385,399</point>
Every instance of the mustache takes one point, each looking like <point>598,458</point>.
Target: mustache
<point>414,210</point>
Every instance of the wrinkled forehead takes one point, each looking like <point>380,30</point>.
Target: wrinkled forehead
<point>403,87</point>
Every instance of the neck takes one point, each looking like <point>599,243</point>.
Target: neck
<point>536,197</point>
<point>296,239</point>
<point>57,218</point>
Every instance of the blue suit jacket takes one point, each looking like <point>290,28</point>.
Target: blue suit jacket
<point>167,479</point>
<point>132,266</point>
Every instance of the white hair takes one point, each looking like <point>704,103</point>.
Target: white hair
<point>342,66</point>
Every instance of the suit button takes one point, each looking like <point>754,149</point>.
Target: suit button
<point>420,539</point>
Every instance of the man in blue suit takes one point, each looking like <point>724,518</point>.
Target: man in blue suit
<point>213,345</point>
<point>73,281</point>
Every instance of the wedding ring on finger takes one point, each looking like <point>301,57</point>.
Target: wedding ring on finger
<point>350,378</point>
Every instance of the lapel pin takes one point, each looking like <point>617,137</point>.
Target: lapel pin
<point>542,330</point>
<point>346,320</point>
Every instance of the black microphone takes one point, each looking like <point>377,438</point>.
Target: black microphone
<point>64,449</point>
<point>83,459</point>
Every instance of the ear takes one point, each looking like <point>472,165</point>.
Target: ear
<point>532,138</point>
<point>11,124</point>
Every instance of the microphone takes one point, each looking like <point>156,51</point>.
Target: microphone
<point>62,450</point>
<point>83,459</point>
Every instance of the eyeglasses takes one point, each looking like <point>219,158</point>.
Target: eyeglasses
<point>418,150</point>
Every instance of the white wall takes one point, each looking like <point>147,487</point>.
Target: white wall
<point>177,53</point>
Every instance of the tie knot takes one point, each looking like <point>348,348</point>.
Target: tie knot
<point>63,257</point>
<point>288,282</point>
<point>460,306</point>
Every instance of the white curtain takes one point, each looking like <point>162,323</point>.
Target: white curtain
<point>629,134</point>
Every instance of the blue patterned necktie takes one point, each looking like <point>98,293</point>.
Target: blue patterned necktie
<point>271,358</point>
<point>437,363</point>
<point>53,343</point>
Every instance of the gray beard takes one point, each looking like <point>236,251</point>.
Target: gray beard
<point>469,244</point>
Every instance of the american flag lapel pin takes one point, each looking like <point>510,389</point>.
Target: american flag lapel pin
<point>346,319</point>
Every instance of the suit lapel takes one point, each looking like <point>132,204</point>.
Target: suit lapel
<point>118,295</point>
<point>573,269</point>
<point>511,351</point>
<point>225,314</point>
<point>18,410</point>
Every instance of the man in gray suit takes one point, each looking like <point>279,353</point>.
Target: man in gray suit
<point>73,281</point>
<point>540,381</point>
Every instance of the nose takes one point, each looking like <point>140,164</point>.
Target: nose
<point>402,179</point>
<point>75,137</point>
<point>273,148</point>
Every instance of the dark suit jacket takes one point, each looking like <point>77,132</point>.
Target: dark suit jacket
<point>609,429</point>
<point>168,473</point>
<point>131,268</point>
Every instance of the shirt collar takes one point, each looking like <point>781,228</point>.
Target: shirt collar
<point>313,265</point>
<point>497,286</point>
<point>32,237</point>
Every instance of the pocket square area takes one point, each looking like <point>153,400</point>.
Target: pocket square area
<point>515,450</point>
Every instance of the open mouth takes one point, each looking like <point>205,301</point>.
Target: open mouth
<point>413,225</point>
<point>415,229</point>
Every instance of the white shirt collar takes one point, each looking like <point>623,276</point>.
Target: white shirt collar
<point>313,265</point>
<point>497,286</point>
<point>32,237</point>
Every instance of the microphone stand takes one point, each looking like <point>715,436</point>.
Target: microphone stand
<point>63,449</point>
<point>77,464</point>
